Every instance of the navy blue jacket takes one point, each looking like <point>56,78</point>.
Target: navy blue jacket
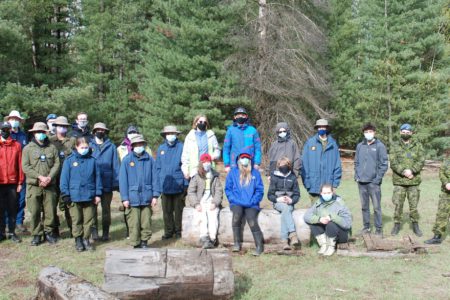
<point>318,166</point>
<point>168,169</point>
<point>21,137</point>
<point>107,159</point>
<point>80,178</point>
<point>137,179</point>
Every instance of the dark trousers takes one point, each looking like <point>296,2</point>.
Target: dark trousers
<point>172,207</point>
<point>8,204</point>
<point>332,230</point>
<point>250,214</point>
<point>106,211</point>
<point>368,191</point>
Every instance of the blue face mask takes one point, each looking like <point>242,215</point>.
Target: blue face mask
<point>40,136</point>
<point>14,123</point>
<point>139,150</point>
<point>327,197</point>
<point>322,131</point>
<point>83,151</point>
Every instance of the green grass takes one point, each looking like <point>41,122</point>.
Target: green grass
<point>269,276</point>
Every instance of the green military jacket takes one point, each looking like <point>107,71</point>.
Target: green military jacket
<point>64,146</point>
<point>407,156</point>
<point>444,174</point>
<point>40,160</point>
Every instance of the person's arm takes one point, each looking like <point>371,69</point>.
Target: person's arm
<point>229,187</point>
<point>56,165</point>
<point>443,176</point>
<point>343,217</point>
<point>257,144</point>
<point>396,164</point>
<point>123,180</point>
<point>382,164</point>
<point>216,148</point>
<point>419,162</point>
<point>304,165</point>
<point>156,186</point>
<point>296,164</point>
<point>227,149</point>
<point>337,171</point>
<point>64,180</point>
<point>218,196</point>
<point>192,192</point>
<point>295,192</point>
<point>27,167</point>
<point>98,180</point>
<point>259,189</point>
<point>19,165</point>
<point>185,158</point>
<point>356,162</point>
<point>311,216</point>
<point>116,166</point>
<point>272,190</point>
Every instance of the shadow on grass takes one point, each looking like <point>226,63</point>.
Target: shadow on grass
<point>242,284</point>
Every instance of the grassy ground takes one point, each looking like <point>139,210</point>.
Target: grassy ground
<point>269,276</point>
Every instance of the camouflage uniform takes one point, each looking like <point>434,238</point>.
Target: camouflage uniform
<point>443,212</point>
<point>406,156</point>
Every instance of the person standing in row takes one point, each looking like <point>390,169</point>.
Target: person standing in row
<point>51,118</point>
<point>200,140</point>
<point>407,161</point>
<point>284,146</point>
<point>371,163</point>
<point>172,184</point>
<point>105,152</point>
<point>80,127</point>
<point>40,163</point>
<point>139,192</point>
<point>321,162</point>
<point>64,145</point>
<point>241,136</point>
<point>11,181</point>
<point>205,195</point>
<point>245,190</point>
<point>81,189</point>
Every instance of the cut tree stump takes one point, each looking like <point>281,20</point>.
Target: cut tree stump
<point>56,284</point>
<point>269,221</point>
<point>169,274</point>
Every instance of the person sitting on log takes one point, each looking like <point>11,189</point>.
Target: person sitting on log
<point>244,189</point>
<point>285,193</point>
<point>205,194</point>
<point>330,220</point>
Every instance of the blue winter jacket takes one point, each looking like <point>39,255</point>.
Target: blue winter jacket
<point>80,178</point>
<point>239,139</point>
<point>107,159</point>
<point>21,137</point>
<point>248,196</point>
<point>137,179</point>
<point>168,168</point>
<point>319,167</point>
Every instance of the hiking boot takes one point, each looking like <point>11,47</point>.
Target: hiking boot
<point>144,245</point>
<point>416,229</point>
<point>36,240</point>
<point>396,229</point>
<point>437,239</point>
<point>50,238</point>
<point>167,236</point>
<point>105,233</point>
<point>87,245</point>
<point>331,246</point>
<point>207,244</point>
<point>294,239</point>
<point>79,244</point>
<point>379,232</point>
<point>286,245</point>
<point>237,239</point>
<point>13,237</point>
<point>178,235</point>
<point>322,241</point>
<point>94,233</point>
<point>365,230</point>
<point>259,243</point>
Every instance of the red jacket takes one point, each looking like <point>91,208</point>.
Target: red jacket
<point>11,162</point>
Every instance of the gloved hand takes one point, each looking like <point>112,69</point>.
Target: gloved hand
<point>67,200</point>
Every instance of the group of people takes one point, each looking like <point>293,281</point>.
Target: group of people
<point>78,170</point>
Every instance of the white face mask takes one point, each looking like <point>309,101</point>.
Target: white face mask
<point>369,136</point>
<point>139,150</point>
<point>14,123</point>
<point>282,134</point>
<point>244,161</point>
<point>207,167</point>
<point>83,123</point>
<point>171,138</point>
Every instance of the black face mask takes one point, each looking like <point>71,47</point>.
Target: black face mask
<point>201,126</point>
<point>241,120</point>
<point>5,134</point>
<point>100,135</point>
<point>405,137</point>
<point>284,169</point>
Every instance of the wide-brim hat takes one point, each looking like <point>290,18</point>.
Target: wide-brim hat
<point>14,113</point>
<point>170,129</point>
<point>61,121</point>
<point>100,126</point>
<point>322,123</point>
<point>39,126</point>
<point>138,139</point>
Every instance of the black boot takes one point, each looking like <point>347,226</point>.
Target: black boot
<point>13,237</point>
<point>259,242</point>
<point>416,229</point>
<point>36,240</point>
<point>56,233</point>
<point>237,239</point>
<point>437,239</point>
<point>87,245</point>
<point>105,233</point>
<point>94,233</point>
<point>79,244</point>
<point>207,244</point>
<point>144,245</point>
<point>396,229</point>
<point>50,238</point>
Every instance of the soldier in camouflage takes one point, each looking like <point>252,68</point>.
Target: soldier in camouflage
<point>443,212</point>
<point>407,160</point>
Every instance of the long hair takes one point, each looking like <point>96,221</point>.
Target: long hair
<point>245,174</point>
<point>197,117</point>
<point>200,171</point>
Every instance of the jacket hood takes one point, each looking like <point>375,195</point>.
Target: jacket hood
<point>282,125</point>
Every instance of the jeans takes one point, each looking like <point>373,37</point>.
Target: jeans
<point>332,230</point>
<point>369,191</point>
<point>287,221</point>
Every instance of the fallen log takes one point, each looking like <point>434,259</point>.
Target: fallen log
<point>269,221</point>
<point>169,274</point>
<point>56,284</point>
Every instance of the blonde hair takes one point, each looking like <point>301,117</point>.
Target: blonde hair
<point>286,161</point>
<point>197,117</point>
<point>245,174</point>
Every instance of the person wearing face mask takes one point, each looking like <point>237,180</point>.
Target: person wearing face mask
<point>105,152</point>
<point>81,190</point>
<point>371,163</point>
<point>205,194</point>
<point>50,123</point>
<point>11,181</point>
<point>139,191</point>
<point>200,140</point>
<point>329,219</point>
<point>80,127</point>
<point>64,145</point>
<point>172,184</point>
<point>241,135</point>
<point>41,163</point>
<point>125,147</point>
<point>321,162</point>
<point>284,193</point>
<point>284,146</point>
<point>15,120</point>
<point>407,160</point>
<point>245,190</point>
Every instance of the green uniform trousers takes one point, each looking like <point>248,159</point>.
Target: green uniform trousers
<point>139,220</point>
<point>172,207</point>
<point>41,199</point>
<point>398,198</point>
<point>443,214</point>
<point>106,211</point>
<point>82,216</point>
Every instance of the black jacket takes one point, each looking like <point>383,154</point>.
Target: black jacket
<point>281,185</point>
<point>371,162</point>
<point>77,132</point>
